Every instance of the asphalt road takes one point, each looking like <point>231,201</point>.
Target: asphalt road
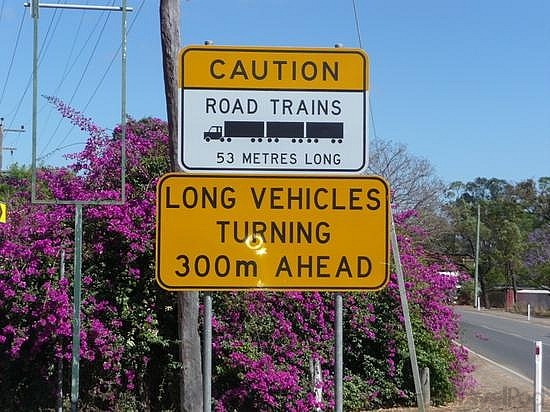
<point>507,339</point>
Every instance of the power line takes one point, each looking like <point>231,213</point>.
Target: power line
<point>84,74</point>
<point>90,58</point>
<point>28,85</point>
<point>358,30</point>
<point>372,117</point>
<point>102,79</point>
<point>13,53</point>
<point>2,147</point>
<point>51,30</point>
<point>66,73</point>
<point>357,24</point>
<point>68,66</point>
<point>113,59</point>
<point>42,157</point>
<point>53,23</point>
<point>48,38</point>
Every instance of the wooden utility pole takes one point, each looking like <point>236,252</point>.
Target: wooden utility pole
<point>191,399</point>
<point>2,148</point>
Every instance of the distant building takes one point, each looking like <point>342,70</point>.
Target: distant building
<point>500,297</point>
<point>504,297</point>
<point>539,299</point>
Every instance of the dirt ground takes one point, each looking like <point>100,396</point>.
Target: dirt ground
<point>497,390</point>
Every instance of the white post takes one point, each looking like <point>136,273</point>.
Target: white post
<point>538,377</point>
<point>318,380</point>
<point>528,311</point>
<point>426,390</point>
<point>478,303</point>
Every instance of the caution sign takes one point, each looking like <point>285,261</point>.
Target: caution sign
<point>273,109</point>
<point>267,232</point>
<point>270,68</point>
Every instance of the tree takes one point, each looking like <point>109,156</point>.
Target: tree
<point>542,201</point>
<point>412,179</point>
<point>537,256</point>
<point>509,213</point>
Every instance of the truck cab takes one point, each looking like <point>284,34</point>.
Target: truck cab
<point>214,133</point>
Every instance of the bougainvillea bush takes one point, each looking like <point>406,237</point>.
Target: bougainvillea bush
<point>271,351</point>
<point>128,328</point>
<point>266,344</point>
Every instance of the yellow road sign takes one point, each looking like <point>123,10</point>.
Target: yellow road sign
<point>273,109</point>
<point>220,232</point>
<point>3,212</point>
<point>273,68</point>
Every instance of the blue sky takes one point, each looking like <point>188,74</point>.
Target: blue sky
<point>464,84</point>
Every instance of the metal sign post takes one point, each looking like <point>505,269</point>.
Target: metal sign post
<point>77,299</point>
<point>207,353</point>
<point>338,354</point>
<point>77,270</point>
<point>406,316</point>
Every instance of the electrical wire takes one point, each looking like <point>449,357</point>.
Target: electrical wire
<point>68,67</point>
<point>92,54</point>
<point>67,72</point>
<point>41,54</point>
<point>357,24</point>
<point>42,157</point>
<point>113,59</point>
<point>372,118</point>
<point>358,30</point>
<point>96,89</point>
<point>48,37</point>
<point>13,53</point>
<point>60,121</point>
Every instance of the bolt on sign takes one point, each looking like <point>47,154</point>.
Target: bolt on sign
<point>273,109</point>
<point>230,232</point>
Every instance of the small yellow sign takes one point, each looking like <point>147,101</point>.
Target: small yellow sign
<point>228,232</point>
<point>3,212</point>
<point>269,68</point>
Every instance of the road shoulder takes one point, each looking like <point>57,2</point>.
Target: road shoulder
<point>497,387</point>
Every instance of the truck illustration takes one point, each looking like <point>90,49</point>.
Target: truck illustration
<point>273,131</point>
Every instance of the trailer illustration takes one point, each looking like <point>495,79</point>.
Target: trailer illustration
<point>296,132</point>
